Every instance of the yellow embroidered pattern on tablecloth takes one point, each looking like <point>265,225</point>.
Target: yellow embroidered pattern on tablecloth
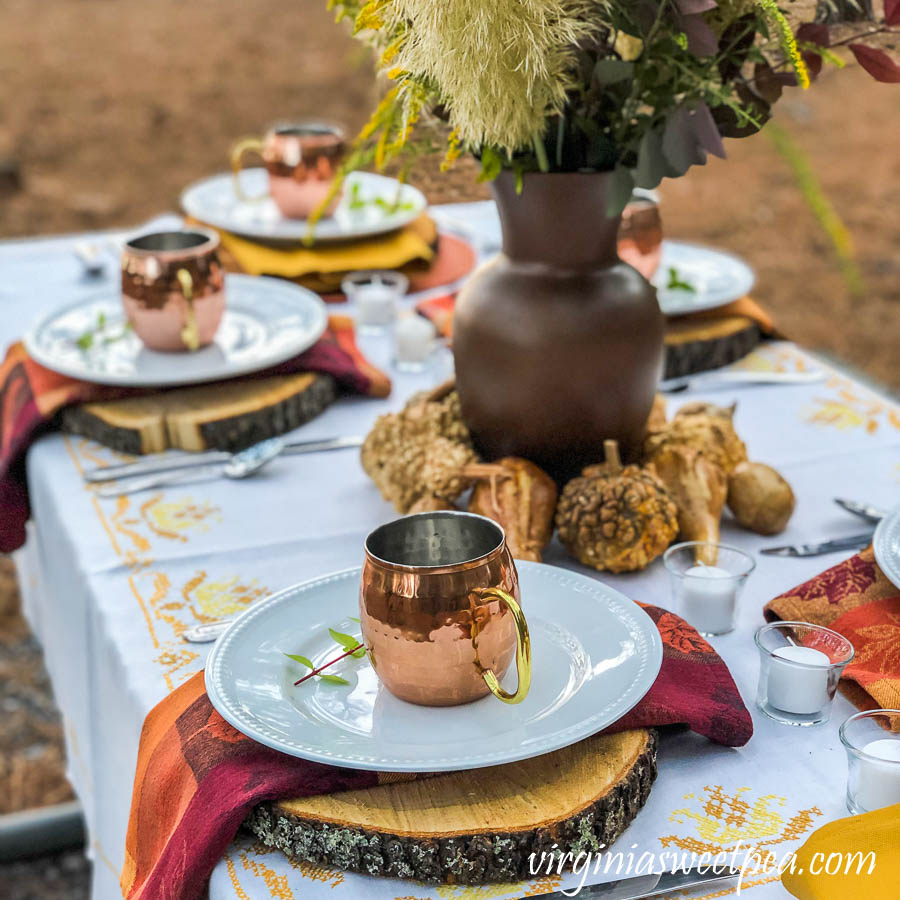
<point>132,529</point>
<point>773,358</point>
<point>846,408</point>
<point>210,600</point>
<point>723,821</point>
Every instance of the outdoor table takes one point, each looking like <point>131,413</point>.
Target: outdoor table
<point>106,582</point>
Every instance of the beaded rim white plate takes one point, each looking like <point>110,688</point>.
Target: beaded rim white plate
<point>886,544</point>
<point>266,321</point>
<point>716,276</point>
<point>595,654</point>
<point>370,204</point>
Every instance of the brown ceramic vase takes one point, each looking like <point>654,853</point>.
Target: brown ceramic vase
<point>558,343</point>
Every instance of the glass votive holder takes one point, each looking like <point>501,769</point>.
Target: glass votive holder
<point>706,595</point>
<point>375,295</point>
<point>873,760</point>
<point>799,668</point>
<point>415,338</point>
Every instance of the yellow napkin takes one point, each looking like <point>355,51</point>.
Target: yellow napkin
<point>413,243</point>
<point>850,840</point>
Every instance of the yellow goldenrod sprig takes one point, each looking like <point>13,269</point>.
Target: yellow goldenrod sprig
<point>786,39</point>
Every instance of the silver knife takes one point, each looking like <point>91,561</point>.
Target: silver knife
<point>704,380</point>
<point>853,542</point>
<point>643,886</point>
<point>166,462</point>
<point>870,513</point>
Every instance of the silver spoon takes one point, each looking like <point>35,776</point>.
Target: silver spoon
<point>240,465</point>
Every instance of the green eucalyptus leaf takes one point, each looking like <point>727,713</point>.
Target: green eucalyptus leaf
<point>620,191</point>
<point>334,679</point>
<point>300,659</point>
<point>611,71</point>
<point>652,166</point>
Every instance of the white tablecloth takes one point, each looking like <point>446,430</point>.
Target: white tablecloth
<point>108,584</point>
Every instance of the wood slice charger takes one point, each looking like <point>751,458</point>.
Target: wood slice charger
<point>230,415</point>
<point>697,344</point>
<point>477,826</point>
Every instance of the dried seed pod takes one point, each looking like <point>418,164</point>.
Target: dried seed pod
<point>521,497</point>
<point>760,498</point>
<point>615,518</point>
<point>698,487</point>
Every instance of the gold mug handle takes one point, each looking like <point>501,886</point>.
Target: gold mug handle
<point>189,334</point>
<point>523,651</point>
<point>247,145</point>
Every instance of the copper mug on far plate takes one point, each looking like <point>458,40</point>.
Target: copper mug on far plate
<point>173,288</point>
<point>439,609</point>
<point>301,159</point>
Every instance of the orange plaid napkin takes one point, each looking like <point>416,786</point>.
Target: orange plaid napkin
<point>855,599</point>
<point>31,396</point>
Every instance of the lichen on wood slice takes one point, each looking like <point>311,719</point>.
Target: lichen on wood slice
<point>484,825</point>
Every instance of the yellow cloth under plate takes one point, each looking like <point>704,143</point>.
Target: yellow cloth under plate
<point>852,838</point>
<point>388,251</point>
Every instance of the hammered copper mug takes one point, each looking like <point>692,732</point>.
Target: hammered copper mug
<point>301,161</point>
<point>439,609</point>
<point>173,288</point>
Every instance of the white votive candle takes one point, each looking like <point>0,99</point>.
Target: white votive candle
<point>375,304</point>
<point>414,339</point>
<point>797,689</point>
<point>708,598</point>
<point>878,780</point>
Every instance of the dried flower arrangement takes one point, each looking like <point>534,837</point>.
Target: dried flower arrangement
<point>644,88</point>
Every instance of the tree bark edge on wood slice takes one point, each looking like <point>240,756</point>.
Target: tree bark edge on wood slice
<point>479,854</point>
<point>698,345</point>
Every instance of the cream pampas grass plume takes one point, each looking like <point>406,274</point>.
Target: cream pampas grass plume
<point>500,67</point>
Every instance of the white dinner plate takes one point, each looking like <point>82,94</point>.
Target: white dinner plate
<point>886,544</point>
<point>266,321</point>
<point>595,654</point>
<point>370,204</point>
<point>716,277</point>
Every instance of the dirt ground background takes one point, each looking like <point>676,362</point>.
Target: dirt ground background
<point>108,109</point>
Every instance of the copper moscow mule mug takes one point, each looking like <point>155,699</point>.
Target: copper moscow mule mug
<point>439,609</point>
<point>173,288</point>
<point>301,159</point>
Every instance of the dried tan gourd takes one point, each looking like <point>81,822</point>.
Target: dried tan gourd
<point>521,497</point>
<point>419,451</point>
<point>702,427</point>
<point>698,486</point>
<point>760,498</point>
<point>616,519</point>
